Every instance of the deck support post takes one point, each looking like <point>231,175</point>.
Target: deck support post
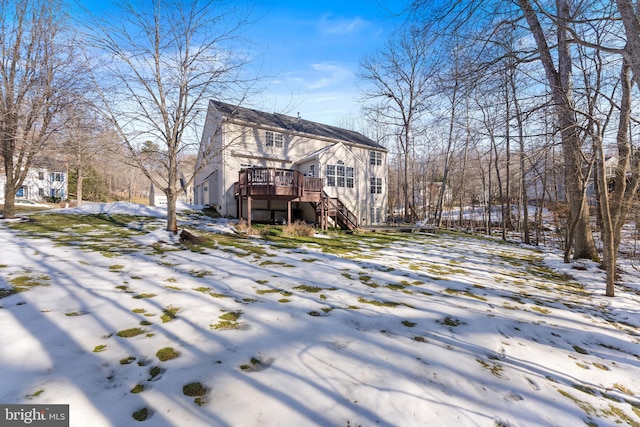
<point>249,211</point>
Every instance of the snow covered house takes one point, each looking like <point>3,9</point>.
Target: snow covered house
<point>271,167</point>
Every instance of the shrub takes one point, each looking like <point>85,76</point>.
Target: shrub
<point>298,229</point>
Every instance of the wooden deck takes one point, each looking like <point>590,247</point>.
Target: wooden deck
<point>278,184</point>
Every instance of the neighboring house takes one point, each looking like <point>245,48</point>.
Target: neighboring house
<point>276,168</point>
<point>41,184</point>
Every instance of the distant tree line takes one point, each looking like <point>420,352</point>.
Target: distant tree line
<point>505,105</point>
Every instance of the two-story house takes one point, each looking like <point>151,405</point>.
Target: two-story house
<point>275,168</point>
<point>40,184</point>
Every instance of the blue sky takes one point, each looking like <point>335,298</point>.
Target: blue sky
<point>312,49</point>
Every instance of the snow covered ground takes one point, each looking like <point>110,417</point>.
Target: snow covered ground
<point>362,330</point>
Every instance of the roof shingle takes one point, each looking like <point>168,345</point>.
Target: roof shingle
<point>293,124</point>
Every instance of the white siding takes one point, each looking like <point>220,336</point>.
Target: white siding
<point>240,145</point>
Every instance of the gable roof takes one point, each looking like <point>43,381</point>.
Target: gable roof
<point>293,124</point>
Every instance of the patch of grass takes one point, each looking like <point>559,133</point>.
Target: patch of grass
<point>419,338</point>
<point>141,414</point>
<point>378,303</point>
<point>127,360</point>
<point>75,313</point>
<point>450,321</point>
<point>34,394</point>
<point>269,262</point>
<point>7,292</point>
<point>139,388</point>
<point>262,282</point>
<point>138,310</point>
<point>194,389</point>
<point>199,273</point>
<point>585,406</point>
<point>465,292</point>
<point>169,313</point>
<point>309,260</point>
<point>99,348</point>
<point>308,288</point>
<point>173,288</point>
<point>129,333</point>
<point>228,320</point>
<point>154,372</point>
<point>26,282</point>
<point>273,291</point>
<point>580,350</point>
<point>408,324</point>
<point>116,267</point>
<point>494,368</point>
<point>255,365</point>
<point>622,417</point>
<point>210,292</point>
<point>145,323</point>
<point>284,300</point>
<point>585,389</point>
<point>366,280</point>
<point>540,309</point>
<point>267,291</point>
<point>143,296</point>
<point>601,366</point>
<point>623,389</point>
<point>167,353</point>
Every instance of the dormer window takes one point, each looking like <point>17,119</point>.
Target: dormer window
<point>274,139</point>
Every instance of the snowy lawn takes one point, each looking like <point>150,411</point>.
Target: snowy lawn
<point>110,314</point>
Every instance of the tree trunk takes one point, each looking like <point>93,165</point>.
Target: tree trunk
<point>581,239</point>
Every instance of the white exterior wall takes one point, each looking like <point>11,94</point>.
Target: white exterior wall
<point>40,184</point>
<point>240,145</point>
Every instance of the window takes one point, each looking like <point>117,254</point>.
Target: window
<point>375,158</point>
<point>274,139</point>
<point>331,175</point>
<point>279,139</point>
<point>376,185</point>
<point>312,170</point>
<point>56,176</point>
<point>340,175</point>
<point>41,175</point>
<point>376,215</point>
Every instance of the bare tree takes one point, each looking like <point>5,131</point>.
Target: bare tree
<point>35,82</point>
<point>400,77</point>
<point>161,62</point>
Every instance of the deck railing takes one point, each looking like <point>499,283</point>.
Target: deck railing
<point>276,183</point>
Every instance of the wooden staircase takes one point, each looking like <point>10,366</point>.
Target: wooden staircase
<point>333,208</point>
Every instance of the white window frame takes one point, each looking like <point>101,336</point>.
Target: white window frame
<point>375,158</point>
<point>376,185</point>
<point>273,139</point>
<point>339,175</point>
